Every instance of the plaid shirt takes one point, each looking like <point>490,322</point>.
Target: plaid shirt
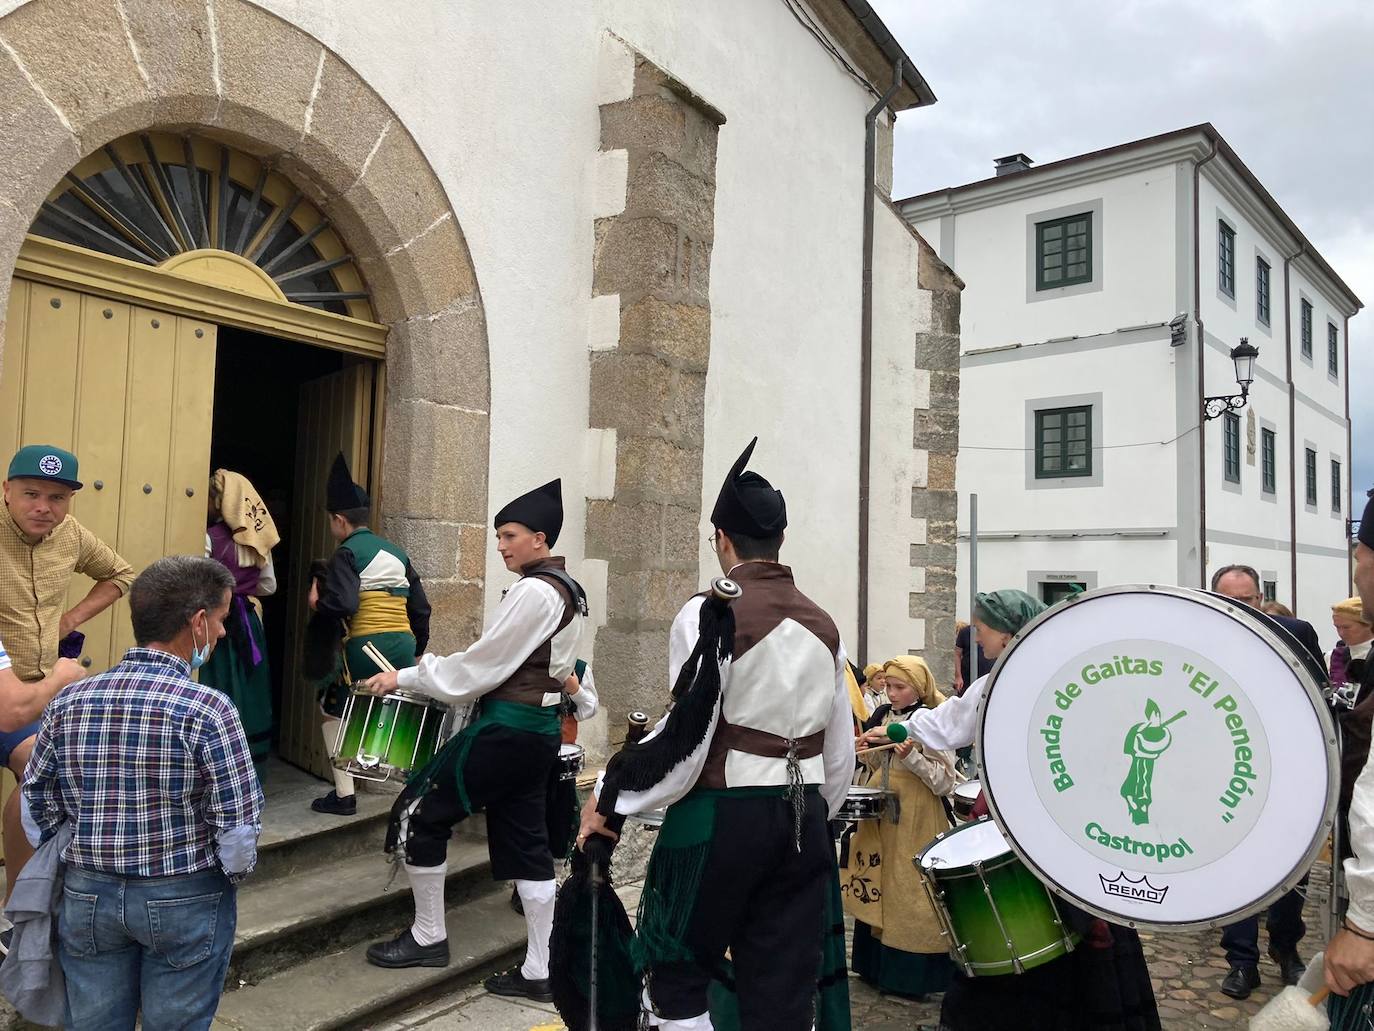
<point>150,768</point>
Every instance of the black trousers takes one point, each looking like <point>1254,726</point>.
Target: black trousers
<point>506,774</point>
<point>1283,922</point>
<point>763,900</point>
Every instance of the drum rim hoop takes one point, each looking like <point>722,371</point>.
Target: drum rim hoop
<point>1278,646</point>
<point>401,695</point>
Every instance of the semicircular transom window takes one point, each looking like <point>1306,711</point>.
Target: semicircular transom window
<point>152,196</point>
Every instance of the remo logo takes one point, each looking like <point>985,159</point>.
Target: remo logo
<point>1148,756</point>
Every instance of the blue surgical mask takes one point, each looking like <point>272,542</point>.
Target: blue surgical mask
<point>199,655</point>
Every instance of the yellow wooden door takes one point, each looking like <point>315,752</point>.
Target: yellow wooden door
<point>130,391</point>
<point>334,414</point>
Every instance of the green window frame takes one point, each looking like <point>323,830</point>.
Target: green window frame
<point>1333,349</point>
<point>1064,251</point>
<point>1311,464</point>
<point>1336,490</point>
<point>1306,331</point>
<point>1268,455</point>
<point>1226,259</point>
<point>1230,446</point>
<point>1064,442</point>
<point>1262,290</point>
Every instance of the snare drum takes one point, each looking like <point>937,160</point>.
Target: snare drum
<point>863,804</point>
<point>997,917</point>
<point>964,798</point>
<point>571,759</point>
<point>385,738</point>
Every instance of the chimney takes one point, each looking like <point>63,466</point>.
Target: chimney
<point>1012,163</point>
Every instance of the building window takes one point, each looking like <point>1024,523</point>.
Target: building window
<point>1053,592</point>
<point>1231,445</point>
<point>1311,477</point>
<point>1271,590</point>
<point>1333,347</point>
<point>1064,251</point>
<point>1306,329</point>
<point>1267,452</point>
<point>1064,442</point>
<point>1226,258</point>
<point>1262,290</point>
<point>1336,491</point>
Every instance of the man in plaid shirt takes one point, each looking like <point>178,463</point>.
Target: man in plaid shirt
<point>154,774</point>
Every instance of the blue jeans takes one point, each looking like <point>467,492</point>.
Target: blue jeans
<point>159,944</point>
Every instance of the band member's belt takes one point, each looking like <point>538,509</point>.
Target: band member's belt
<point>761,743</point>
<point>379,612</point>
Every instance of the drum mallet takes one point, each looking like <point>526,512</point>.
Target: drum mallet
<point>896,732</point>
<point>1293,1010</point>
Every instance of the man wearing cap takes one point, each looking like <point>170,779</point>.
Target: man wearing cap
<point>372,590</point>
<point>750,773</point>
<point>516,673</point>
<point>41,546</point>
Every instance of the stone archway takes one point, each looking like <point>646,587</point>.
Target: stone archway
<point>227,68</point>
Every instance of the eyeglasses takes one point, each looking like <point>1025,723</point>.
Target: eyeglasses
<point>715,536</point>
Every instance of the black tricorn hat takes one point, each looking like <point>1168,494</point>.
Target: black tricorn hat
<point>341,494</point>
<point>749,504</point>
<point>541,510</point>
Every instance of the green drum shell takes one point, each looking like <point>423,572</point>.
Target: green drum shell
<point>386,737</point>
<point>1032,922</point>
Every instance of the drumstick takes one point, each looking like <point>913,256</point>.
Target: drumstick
<point>380,660</point>
<point>878,748</point>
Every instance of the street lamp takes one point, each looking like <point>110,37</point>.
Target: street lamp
<point>1243,355</point>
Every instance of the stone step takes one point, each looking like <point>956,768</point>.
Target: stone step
<point>328,905</point>
<point>343,990</point>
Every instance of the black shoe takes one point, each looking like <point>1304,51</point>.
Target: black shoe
<point>405,951</point>
<point>516,985</point>
<point>1240,982</point>
<point>1290,964</point>
<point>515,902</point>
<point>336,806</point>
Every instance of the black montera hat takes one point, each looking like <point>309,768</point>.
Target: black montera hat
<point>748,504</point>
<point>341,494</point>
<point>1366,533</point>
<point>541,510</point>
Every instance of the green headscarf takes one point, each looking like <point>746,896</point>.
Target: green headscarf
<point>1007,611</point>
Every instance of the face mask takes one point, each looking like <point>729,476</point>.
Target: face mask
<point>199,655</point>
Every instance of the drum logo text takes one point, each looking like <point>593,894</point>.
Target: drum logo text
<point>1140,890</point>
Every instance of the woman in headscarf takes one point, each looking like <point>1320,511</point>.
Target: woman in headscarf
<point>240,535</point>
<point>898,947</point>
<point>1104,984</point>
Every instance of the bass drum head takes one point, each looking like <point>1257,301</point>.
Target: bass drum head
<point>1159,756</point>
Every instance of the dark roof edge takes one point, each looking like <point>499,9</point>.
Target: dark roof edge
<point>882,37</point>
<point>1208,130</point>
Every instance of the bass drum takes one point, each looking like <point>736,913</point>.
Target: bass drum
<point>1160,756</point>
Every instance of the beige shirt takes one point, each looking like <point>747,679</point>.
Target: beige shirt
<point>34,579</point>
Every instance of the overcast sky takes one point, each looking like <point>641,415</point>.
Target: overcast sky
<point>1289,84</point>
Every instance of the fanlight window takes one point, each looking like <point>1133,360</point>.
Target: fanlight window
<point>153,196</point>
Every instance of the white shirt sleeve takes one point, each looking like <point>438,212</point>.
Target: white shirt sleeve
<point>1359,868</point>
<point>838,753</point>
<point>585,701</point>
<point>267,580</point>
<point>682,639</point>
<point>952,725</point>
<point>527,617</point>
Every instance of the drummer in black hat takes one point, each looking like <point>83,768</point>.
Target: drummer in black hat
<point>751,761</point>
<point>516,672</point>
<point>371,592</point>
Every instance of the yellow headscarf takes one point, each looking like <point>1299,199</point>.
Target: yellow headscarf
<point>246,516</point>
<point>1351,608</point>
<point>871,670</point>
<point>913,671</point>
<point>856,697</point>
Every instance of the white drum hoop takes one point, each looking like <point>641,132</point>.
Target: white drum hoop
<point>998,764</point>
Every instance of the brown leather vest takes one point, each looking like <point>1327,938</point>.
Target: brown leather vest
<point>531,681</point>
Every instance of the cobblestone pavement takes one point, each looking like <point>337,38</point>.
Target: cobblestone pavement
<point>1186,969</point>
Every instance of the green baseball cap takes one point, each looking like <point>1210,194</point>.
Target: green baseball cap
<point>45,462</point>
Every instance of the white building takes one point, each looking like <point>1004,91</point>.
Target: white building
<point>1081,428</point>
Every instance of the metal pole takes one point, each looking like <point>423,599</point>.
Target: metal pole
<point>973,587</point>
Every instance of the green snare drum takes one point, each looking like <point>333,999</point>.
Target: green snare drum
<point>385,738</point>
<point>998,918</point>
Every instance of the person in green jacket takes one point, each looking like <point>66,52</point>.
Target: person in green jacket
<point>370,586</point>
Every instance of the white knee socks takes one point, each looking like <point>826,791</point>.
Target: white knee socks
<point>537,898</point>
<point>343,783</point>
<point>427,886</point>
